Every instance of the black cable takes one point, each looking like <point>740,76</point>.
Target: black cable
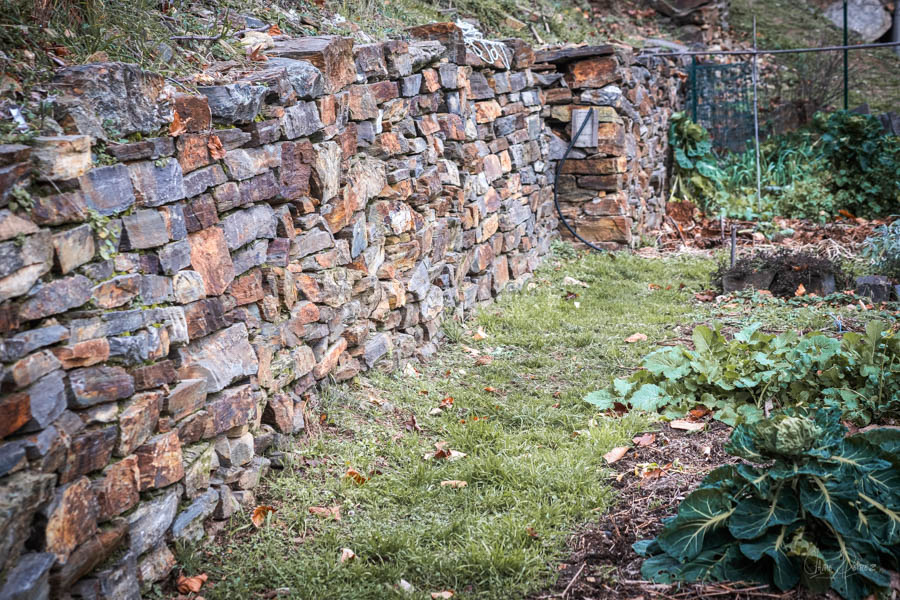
<point>556,184</point>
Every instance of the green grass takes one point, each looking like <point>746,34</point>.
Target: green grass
<point>534,463</point>
<point>534,454</point>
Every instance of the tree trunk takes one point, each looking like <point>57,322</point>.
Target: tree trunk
<point>895,30</point>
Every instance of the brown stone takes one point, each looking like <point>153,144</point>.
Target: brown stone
<point>448,34</point>
<point>74,247</point>
<point>117,291</point>
<point>15,411</point>
<point>605,229</point>
<point>89,555</point>
<point>487,112</point>
<point>62,157</point>
<point>596,166</point>
<point>308,286</point>
<point>232,408</point>
<point>89,452</point>
<point>82,354</point>
<point>198,426</point>
<point>200,212</point>
<point>137,421</point>
<point>383,91</point>
<point>279,413</point>
<point>296,167</point>
<point>594,72</point>
<point>71,518</point>
<point>94,385</point>
<point>193,151</point>
<point>156,375</point>
<point>333,55</point>
<point>330,358</point>
<point>159,461</point>
<point>204,317</point>
<point>187,397</point>
<point>117,491</point>
<point>55,297</point>
<point>193,112</point>
<point>247,288</point>
<point>210,258</point>
<point>34,366</point>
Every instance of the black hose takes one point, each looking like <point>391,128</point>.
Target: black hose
<point>556,186</point>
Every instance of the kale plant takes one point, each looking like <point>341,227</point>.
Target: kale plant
<point>883,250</point>
<point>809,506</point>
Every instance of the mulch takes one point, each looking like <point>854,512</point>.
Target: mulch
<point>651,482</point>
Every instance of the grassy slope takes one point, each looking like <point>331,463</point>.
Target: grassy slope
<point>874,74</point>
<point>534,454</point>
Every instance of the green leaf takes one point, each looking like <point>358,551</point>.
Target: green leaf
<point>661,568</point>
<point>774,545</point>
<point>823,498</point>
<point>702,512</point>
<point>853,576</point>
<point>649,397</point>
<point>602,399</point>
<point>668,362</point>
<point>753,516</point>
<point>705,339</point>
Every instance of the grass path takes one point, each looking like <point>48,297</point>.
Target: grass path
<point>533,466</point>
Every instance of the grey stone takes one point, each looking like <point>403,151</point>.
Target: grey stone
<point>326,177</point>
<point>423,53</point>
<point>244,226</point>
<point>253,255</point>
<point>175,256</point>
<point>221,357</point>
<point>21,494</point>
<point>148,523</point>
<point>236,103</point>
<point>188,286</point>
<point>108,190</point>
<point>876,287</point>
<point>300,120</point>
<point>227,505</point>
<point>120,581</point>
<point>232,138</point>
<point>198,181</point>
<point>29,580</point>
<point>156,289</point>
<point>145,229</point>
<point>12,457</point>
<point>306,79</point>
<point>311,242</point>
<point>419,282</point>
<point>411,85</point>
<point>376,347</point>
<point>74,247</point>
<point>868,18</point>
<point>56,297</point>
<point>26,342</point>
<point>188,525</point>
<point>157,183</point>
<point>151,149</point>
<point>21,264</point>
<point>123,96</point>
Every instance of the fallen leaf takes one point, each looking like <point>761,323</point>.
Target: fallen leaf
<point>567,280</point>
<point>435,411</point>
<point>484,360</point>
<point>637,337</point>
<point>654,286</point>
<point>274,30</point>
<point>176,127</point>
<point>479,334</point>
<point>188,585</point>
<point>323,417</point>
<point>570,295</point>
<point>764,292</point>
<point>698,412</point>
<point>707,296</point>
<point>411,424</point>
<point>347,554</point>
<point>644,440</point>
<point>355,476</point>
<point>686,425</point>
<point>259,515</point>
<point>454,483</point>
<point>256,54</point>
<point>656,473</point>
<point>333,512</point>
<point>492,390</point>
<point>442,452</point>
<point>531,532</point>
<point>216,149</point>
<point>615,454</point>
<point>442,595</point>
<point>800,291</point>
<point>446,402</point>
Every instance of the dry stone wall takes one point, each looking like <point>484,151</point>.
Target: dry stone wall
<point>169,304</point>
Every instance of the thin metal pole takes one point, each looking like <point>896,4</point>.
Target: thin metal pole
<point>694,89</point>
<point>784,51</point>
<point>756,122</point>
<point>846,61</point>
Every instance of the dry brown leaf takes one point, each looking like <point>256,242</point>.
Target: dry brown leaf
<point>615,454</point>
<point>355,476</point>
<point>637,337</point>
<point>333,512</point>
<point>256,54</point>
<point>259,515</point>
<point>491,390</point>
<point>653,286</point>
<point>698,412</point>
<point>479,334</point>
<point>644,440</point>
<point>347,554</point>
<point>216,149</point>
<point>411,424</point>
<point>274,30</point>
<point>442,595</point>
<point>484,360</point>
<point>191,585</point>
<point>706,296</point>
<point>800,291</point>
<point>442,452</point>
<point>686,425</point>
<point>454,483</point>
<point>176,127</point>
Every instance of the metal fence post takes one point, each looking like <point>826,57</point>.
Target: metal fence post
<point>846,61</point>
<point>694,89</point>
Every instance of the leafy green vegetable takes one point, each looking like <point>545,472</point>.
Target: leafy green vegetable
<point>858,374</point>
<point>815,508</point>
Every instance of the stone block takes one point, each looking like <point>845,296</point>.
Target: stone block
<point>108,190</point>
<point>159,461</point>
<point>137,421</point>
<point>71,518</point>
<point>118,291</point>
<point>148,524</point>
<point>93,385</point>
<point>235,103</point>
<point>332,55</point>
<point>151,149</point>
<point>305,79</point>
<point>157,183</point>
<point>300,120</point>
<point>34,366</point>
<point>56,297</point>
<point>244,226</point>
<point>74,247</point>
<point>62,157</point>
<point>221,357</point>
<point>210,258</point>
<point>30,578</point>
<point>118,489</point>
<point>188,525</point>
<point>88,452</point>
<point>204,317</point>
<point>193,112</point>
<point>234,407</point>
